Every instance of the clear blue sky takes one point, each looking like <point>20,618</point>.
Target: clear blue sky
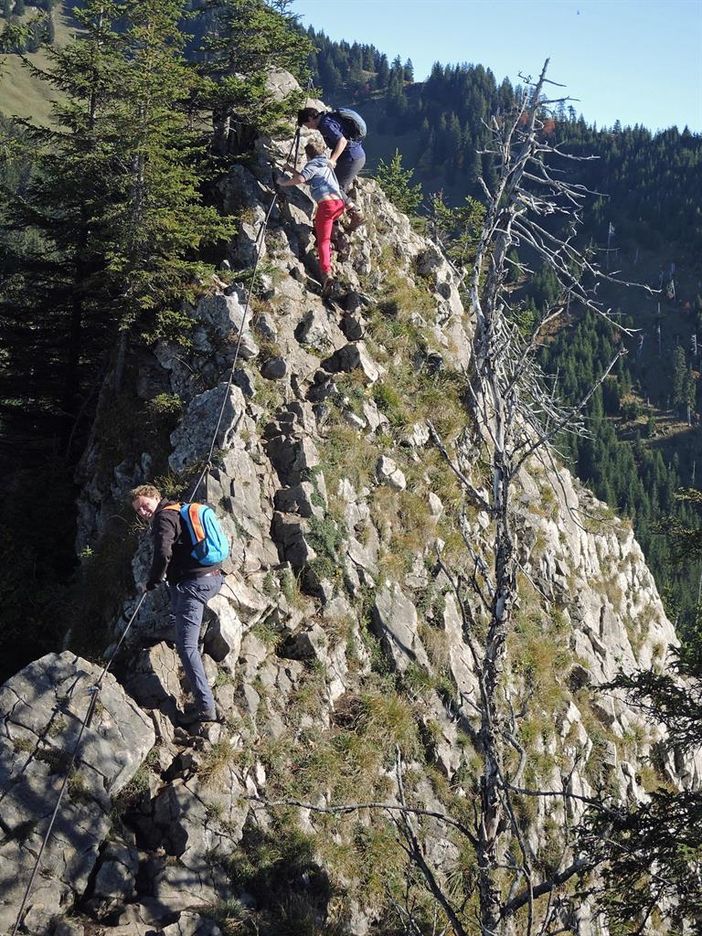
<point>638,61</point>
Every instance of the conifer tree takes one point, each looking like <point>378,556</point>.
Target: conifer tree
<point>52,307</point>
<point>158,221</point>
<point>102,235</point>
<point>53,327</point>
<point>396,182</point>
<point>679,380</point>
<point>115,194</point>
<point>244,40</point>
<point>383,71</point>
<point>457,229</point>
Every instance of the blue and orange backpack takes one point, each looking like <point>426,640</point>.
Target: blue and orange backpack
<point>210,545</point>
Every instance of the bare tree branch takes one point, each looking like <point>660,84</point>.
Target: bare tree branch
<point>416,854</point>
<point>475,497</point>
<point>579,866</point>
<point>355,807</point>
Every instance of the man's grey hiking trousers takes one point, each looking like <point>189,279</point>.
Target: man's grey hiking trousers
<point>188,600</point>
<point>347,169</point>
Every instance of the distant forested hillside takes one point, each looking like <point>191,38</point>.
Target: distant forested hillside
<point>644,439</point>
<point>654,181</point>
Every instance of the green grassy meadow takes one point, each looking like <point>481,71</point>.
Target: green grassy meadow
<point>23,94</point>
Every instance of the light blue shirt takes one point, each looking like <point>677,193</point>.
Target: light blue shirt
<point>321,178</point>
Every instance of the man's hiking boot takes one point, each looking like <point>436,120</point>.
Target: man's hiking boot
<point>328,284</point>
<point>193,715</point>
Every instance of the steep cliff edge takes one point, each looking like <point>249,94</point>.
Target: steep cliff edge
<point>336,642</point>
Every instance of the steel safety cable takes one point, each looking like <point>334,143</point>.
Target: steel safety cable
<point>294,146</point>
<point>94,692</point>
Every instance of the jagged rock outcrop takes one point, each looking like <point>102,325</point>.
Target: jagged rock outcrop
<point>42,710</point>
<point>336,638</point>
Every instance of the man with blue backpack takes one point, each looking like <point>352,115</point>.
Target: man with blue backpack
<point>342,130</point>
<point>189,547</point>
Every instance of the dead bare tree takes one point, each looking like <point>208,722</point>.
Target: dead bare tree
<point>516,417</point>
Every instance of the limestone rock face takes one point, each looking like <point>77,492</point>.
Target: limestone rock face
<point>42,710</point>
<point>389,473</point>
<point>337,637</point>
<point>396,623</point>
<point>200,424</point>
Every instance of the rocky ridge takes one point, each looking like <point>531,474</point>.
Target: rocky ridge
<point>336,640</point>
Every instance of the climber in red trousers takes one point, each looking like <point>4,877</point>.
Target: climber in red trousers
<point>326,192</point>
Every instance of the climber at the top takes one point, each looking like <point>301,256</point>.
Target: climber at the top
<point>326,192</point>
<point>342,135</point>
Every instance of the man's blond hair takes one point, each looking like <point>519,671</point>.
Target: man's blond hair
<point>144,490</point>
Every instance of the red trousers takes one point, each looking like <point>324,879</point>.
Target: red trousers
<point>328,211</point>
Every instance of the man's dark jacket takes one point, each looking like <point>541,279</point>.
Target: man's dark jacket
<point>332,131</point>
<point>172,548</point>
